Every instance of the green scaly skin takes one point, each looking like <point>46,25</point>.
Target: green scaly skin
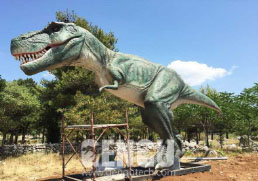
<point>153,87</point>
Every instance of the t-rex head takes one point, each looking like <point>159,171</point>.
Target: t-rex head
<point>56,45</point>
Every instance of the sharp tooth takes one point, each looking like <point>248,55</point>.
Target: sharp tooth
<point>32,56</point>
<point>29,55</point>
<point>16,58</point>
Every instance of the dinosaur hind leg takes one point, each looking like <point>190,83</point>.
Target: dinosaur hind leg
<point>162,93</point>
<point>158,116</point>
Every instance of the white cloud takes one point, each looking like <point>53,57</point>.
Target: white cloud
<point>195,73</point>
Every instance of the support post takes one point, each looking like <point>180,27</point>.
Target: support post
<point>63,148</point>
<point>93,147</point>
<point>128,144</point>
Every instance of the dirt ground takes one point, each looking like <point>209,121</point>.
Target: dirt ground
<point>237,168</point>
<point>39,167</point>
<point>242,167</point>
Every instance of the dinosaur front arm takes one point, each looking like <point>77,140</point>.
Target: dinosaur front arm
<point>114,86</point>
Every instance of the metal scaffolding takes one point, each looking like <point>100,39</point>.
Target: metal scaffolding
<point>92,127</point>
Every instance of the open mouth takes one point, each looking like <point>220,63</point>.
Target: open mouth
<point>34,56</point>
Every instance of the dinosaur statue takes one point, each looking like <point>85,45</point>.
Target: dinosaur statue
<point>154,88</point>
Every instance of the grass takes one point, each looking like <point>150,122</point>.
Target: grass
<point>35,166</point>
<point>40,165</point>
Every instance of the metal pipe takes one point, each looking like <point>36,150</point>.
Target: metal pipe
<point>63,148</point>
<point>76,153</point>
<point>101,134</point>
<point>93,147</point>
<point>207,158</point>
<point>69,159</point>
<point>128,144</point>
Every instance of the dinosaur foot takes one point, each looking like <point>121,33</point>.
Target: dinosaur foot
<point>166,158</point>
<point>171,165</point>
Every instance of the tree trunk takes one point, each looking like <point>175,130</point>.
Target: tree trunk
<point>43,135</point>
<point>197,139</point>
<point>11,138</point>
<point>4,138</point>
<point>227,137</point>
<point>207,138</point>
<point>212,135</point>
<point>23,136</point>
<point>248,134</point>
<point>188,136</point>
<point>16,137</point>
<point>221,139</point>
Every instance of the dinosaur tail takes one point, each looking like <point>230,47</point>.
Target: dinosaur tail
<point>191,96</point>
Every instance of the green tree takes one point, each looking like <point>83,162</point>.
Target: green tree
<point>186,120</point>
<point>247,107</point>
<point>19,109</point>
<point>2,84</point>
<point>207,116</point>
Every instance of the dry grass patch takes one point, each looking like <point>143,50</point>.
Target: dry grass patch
<point>35,166</point>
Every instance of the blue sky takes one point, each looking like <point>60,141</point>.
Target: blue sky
<point>207,42</point>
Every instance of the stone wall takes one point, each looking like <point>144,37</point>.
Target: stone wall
<point>16,150</point>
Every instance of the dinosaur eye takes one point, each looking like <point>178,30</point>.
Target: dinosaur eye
<point>56,29</point>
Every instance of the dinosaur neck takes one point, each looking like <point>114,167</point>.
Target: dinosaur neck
<point>94,55</point>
